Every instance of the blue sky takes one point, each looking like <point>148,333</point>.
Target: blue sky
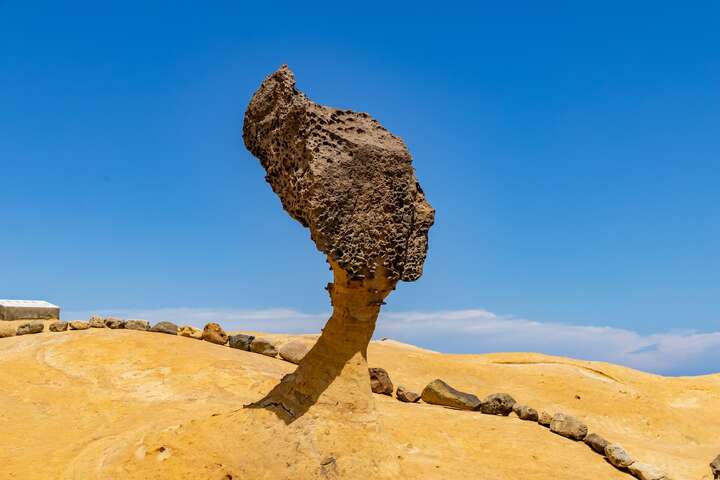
<point>570,150</point>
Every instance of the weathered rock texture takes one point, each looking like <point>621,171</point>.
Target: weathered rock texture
<point>438,392</point>
<point>241,342</point>
<point>30,328</point>
<point>525,413</point>
<point>617,455</point>
<point>380,381</point>
<point>263,346</point>
<point>644,471</point>
<point>96,321</point>
<point>351,182</point>
<point>596,442</point>
<point>344,176</point>
<point>497,404</point>
<point>165,327</point>
<point>715,468</point>
<point>405,395</point>
<point>190,332</point>
<point>79,325</point>
<point>114,323</point>
<point>214,333</point>
<point>568,426</point>
<point>141,325</point>
<point>58,326</point>
<point>293,351</point>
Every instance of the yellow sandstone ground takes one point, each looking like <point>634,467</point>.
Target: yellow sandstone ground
<point>116,404</point>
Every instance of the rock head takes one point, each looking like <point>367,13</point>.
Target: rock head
<point>344,176</point>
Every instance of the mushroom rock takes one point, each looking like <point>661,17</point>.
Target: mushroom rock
<point>351,182</point>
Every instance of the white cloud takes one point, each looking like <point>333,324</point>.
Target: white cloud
<point>478,331</point>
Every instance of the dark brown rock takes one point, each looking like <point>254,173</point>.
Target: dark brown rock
<point>406,395</point>
<point>58,326</point>
<point>30,328</point>
<point>380,381</point>
<point>596,442</point>
<point>240,341</point>
<point>214,333</point>
<point>438,392</point>
<point>165,327</point>
<point>344,176</point>
<point>497,404</point>
<point>715,468</point>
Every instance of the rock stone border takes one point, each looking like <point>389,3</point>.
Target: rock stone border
<point>436,392</point>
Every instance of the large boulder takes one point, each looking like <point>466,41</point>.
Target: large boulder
<point>30,328</point>
<point>165,327</point>
<point>617,455</point>
<point>96,321</point>
<point>497,404</point>
<point>525,413</point>
<point>79,325</point>
<point>343,175</point>
<point>380,381</point>
<point>597,443</point>
<point>263,346</point>
<point>214,333</point>
<point>406,396</point>
<point>190,332</point>
<point>438,392</point>
<point>715,468</point>
<point>568,426</point>
<point>58,326</point>
<point>293,351</point>
<point>644,471</point>
<point>142,325</point>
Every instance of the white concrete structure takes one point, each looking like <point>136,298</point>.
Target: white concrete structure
<point>28,310</point>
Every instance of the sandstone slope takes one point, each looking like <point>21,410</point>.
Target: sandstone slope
<point>127,404</point>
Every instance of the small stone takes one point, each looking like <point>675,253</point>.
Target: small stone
<point>114,323</point>
<point>165,327</point>
<point>497,404</point>
<point>544,418</point>
<point>142,325</point>
<point>58,326</point>
<point>568,426</point>
<point>618,456</point>
<point>596,442</point>
<point>241,341</point>
<point>79,325</point>
<point>644,471</point>
<point>293,351</point>
<point>96,321</point>
<point>715,468</point>
<point>406,395</point>
<point>438,392</point>
<point>525,413</point>
<point>214,333</point>
<point>190,332</point>
<point>7,331</point>
<point>30,328</point>
<point>263,346</point>
<point>380,381</point>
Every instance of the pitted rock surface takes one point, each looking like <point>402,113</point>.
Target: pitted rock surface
<point>344,176</point>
